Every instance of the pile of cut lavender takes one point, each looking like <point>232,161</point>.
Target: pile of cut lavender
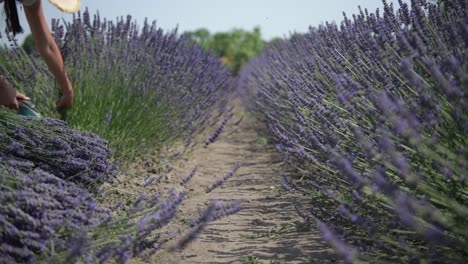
<point>38,210</point>
<point>53,147</point>
<point>47,171</point>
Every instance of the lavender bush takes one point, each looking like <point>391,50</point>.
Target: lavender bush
<point>373,113</point>
<point>138,87</point>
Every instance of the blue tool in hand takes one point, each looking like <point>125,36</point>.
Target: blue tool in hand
<point>27,108</point>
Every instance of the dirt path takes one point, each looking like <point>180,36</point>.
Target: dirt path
<point>265,230</point>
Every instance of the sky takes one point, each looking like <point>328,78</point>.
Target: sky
<point>276,18</point>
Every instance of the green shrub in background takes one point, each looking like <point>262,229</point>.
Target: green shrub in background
<point>235,47</point>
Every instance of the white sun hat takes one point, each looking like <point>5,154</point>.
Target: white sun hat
<point>67,6</point>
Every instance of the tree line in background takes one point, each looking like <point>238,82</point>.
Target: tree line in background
<point>234,48</point>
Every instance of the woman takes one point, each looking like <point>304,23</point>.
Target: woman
<point>45,44</point>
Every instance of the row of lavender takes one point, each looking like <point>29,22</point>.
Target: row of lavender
<point>373,112</point>
<point>134,90</point>
<point>135,85</point>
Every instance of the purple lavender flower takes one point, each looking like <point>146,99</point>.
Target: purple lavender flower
<point>213,212</point>
<point>221,180</point>
<point>348,253</point>
<point>184,181</point>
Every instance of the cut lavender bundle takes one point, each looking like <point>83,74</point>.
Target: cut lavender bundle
<point>39,210</point>
<point>52,146</point>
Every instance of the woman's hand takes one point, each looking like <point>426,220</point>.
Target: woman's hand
<point>8,95</point>
<point>65,101</point>
<point>22,96</point>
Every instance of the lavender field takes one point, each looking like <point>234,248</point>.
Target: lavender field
<point>346,144</point>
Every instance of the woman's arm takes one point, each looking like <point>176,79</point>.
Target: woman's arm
<point>49,50</point>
